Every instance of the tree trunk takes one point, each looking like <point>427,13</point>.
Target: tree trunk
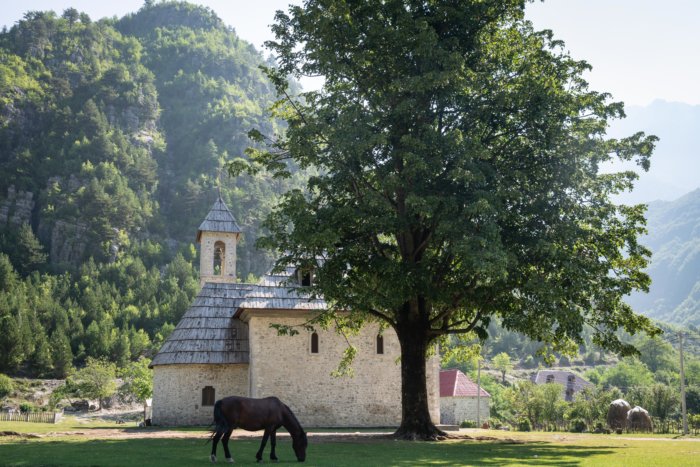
<point>415,414</point>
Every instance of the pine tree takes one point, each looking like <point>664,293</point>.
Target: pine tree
<point>61,353</point>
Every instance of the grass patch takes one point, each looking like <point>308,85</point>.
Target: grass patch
<point>551,449</point>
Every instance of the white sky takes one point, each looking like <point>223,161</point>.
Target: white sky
<point>641,50</point>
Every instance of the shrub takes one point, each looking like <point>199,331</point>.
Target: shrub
<point>26,407</point>
<point>578,426</point>
<point>524,425</point>
<point>468,424</point>
<point>6,386</point>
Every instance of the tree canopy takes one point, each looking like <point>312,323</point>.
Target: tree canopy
<point>458,153</point>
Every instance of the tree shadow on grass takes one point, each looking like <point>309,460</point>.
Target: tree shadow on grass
<point>188,452</point>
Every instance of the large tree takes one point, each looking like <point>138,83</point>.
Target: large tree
<point>458,154</point>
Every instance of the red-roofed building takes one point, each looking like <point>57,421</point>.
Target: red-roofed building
<point>458,399</point>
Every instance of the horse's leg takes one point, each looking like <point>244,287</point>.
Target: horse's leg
<point>214,442</point>
<point>258,456</point>
<point>224,443</point>
<point>273,443</point>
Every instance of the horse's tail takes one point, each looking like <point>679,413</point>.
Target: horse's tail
<point>220,423</point>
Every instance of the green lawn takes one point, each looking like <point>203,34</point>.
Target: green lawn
<point>548,449</point>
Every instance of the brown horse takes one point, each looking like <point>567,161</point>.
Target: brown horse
<point>256,414</point>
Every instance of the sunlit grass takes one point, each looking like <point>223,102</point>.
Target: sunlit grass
<point>548,449</point>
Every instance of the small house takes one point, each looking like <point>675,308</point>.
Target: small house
<point>461,399</point>
<point>570,382</point>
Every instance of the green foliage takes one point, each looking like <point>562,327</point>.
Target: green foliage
<point>502,363</point>
<point>137,381</point>
<point>95,381</point>
<point>468,424</point>
<point>435,210</point>
<point>26,407</point>
<point>523,424</point>
<point>627,374</point>
<point>6,386</point>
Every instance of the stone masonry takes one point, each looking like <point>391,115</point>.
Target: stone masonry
<point>455,410</point>
<point>284,366</point>
<point>178,399</point>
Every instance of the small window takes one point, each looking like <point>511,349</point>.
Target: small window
<point>219,258</point>
<point>208,396</point>
<point>571,378</point>
<point>314,343</point>
<point>550,378</point>
<point>305,277</point>
<point>380,344</point>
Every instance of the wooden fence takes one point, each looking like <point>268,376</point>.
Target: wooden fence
<point>34,417</point>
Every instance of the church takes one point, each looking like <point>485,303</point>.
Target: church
<point>225,345</point>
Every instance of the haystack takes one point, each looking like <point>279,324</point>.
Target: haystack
<point>638,419</point>
<point>617,414</point>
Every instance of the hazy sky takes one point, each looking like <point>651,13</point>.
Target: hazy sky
<point>640,50</point>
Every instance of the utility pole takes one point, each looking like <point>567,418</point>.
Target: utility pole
<point>683,408</point>
<point>478,391</point>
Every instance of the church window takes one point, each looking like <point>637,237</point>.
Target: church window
<point>314,343</point>
<point>380,344</point>
<point>305,277</point>
<point>208,396</point>
<point>219,258</point>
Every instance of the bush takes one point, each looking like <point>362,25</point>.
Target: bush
<point>468,424</point>
<point>524,425</point>
<point>6,386</point>
<point>26,407</point>
<point>578,426</point>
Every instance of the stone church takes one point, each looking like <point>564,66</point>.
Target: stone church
<point>224,345</point>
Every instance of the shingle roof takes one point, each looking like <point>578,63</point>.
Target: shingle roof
<point>219,219</point>
<point>454,383</point>
<point>210,331</point>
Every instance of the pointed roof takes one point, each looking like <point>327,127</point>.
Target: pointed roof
<point>454,383</point>
<point>211,331</point>
<point>219,219</point>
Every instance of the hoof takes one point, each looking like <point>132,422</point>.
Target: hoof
<point>213,459</point>
<point>230,460</point>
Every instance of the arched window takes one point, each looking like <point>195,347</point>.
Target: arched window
<point>314,343</point>
<point>380,344</point>
<point>219,258</point>
<point>208,396</point>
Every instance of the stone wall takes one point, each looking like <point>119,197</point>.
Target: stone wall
<point>454,410</point>
<point>177,391</point>
<point>284,366</point>
<point>206,257</point>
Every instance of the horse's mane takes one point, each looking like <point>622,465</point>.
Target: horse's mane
<point>294,419</point>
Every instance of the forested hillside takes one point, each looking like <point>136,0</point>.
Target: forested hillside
<point>674,238</point>
<point>112,137</point>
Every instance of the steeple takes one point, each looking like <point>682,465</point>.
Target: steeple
<point>218,235</point>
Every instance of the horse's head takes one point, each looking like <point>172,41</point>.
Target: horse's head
<point>299,444</point>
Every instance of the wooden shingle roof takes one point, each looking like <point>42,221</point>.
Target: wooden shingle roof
<point>210,331</point>
<point>219,219</point>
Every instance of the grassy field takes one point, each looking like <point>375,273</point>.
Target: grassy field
<point>95,448</point>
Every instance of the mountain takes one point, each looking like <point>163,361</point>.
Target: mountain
<point>676,159</point>
<point>113,136</point>
<point>114,132</point>
<point>674,239</point>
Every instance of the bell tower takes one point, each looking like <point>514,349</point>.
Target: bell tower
<point>218,235</point>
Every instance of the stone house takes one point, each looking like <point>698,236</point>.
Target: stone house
<point>224,345</point>
<point>571,382</point>
<point>460,397</point>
